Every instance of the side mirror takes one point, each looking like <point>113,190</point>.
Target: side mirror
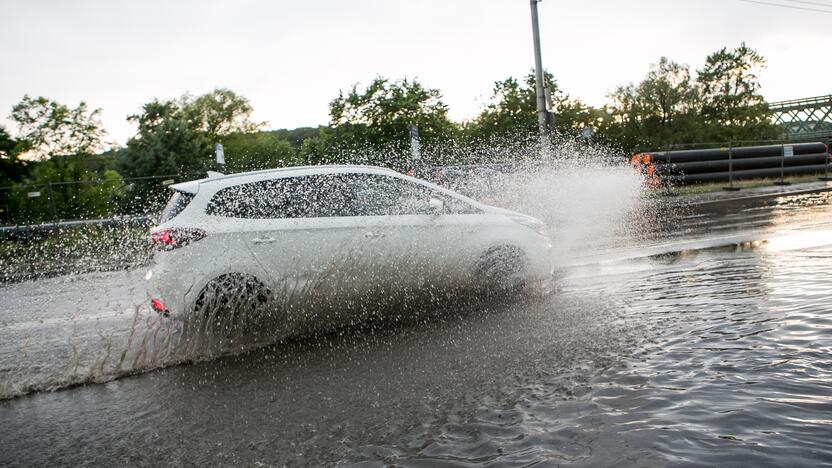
<point>436,205</point>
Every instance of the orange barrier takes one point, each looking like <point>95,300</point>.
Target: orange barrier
<point>643,164</point>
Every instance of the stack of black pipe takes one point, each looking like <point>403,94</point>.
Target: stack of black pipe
<point>708,165</point>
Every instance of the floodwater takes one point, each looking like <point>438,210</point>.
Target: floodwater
<point>702,339</point>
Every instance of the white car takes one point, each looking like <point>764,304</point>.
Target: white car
<point>318,246</point>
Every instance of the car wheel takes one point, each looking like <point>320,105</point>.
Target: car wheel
<point>502,268</point>
<point>232,306</point>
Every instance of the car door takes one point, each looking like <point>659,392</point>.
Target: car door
<point>418,246</point>
<point>321,258</point>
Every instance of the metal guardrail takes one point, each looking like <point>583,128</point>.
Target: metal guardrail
<point>138,221</point>
<point>54,214</point>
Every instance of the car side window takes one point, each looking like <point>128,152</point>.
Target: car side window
<point>381,196</point>
<point>329,195</point>
<point>377,195</point>
<point>292,197</point>
<point>234,202</point>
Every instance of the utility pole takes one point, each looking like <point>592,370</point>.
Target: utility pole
<point>542,113</point>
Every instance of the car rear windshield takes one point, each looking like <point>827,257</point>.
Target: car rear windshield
<point>178,201</point>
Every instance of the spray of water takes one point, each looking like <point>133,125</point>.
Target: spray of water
<point>585,193</point>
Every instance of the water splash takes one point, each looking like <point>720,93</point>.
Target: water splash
<point>102,329</point>
<point>586,193</point>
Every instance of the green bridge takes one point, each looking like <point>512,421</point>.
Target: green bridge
<point>804,119</point>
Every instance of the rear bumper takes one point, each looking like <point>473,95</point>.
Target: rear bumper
<point>173,291</point>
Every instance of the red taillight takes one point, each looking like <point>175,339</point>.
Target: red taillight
<point>170,239</point>
<point>157,305</point>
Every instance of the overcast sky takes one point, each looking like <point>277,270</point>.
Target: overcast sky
<point>290,58</point>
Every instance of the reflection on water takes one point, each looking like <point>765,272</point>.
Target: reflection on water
<point>798,240</point>
<point>737,370</point>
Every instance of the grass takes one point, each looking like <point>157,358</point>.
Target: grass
<point>697,189</point>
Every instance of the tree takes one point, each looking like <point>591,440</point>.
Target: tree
<point>372,125</point>
<point>11,168</point>
<point>167,142</point>
<point>219,113</point>
<point>12,171</point>
<point>261,150</point>
<point>68,186</point>
<point>732,106</point>
<point>668,92</point>
<point>297,136</point>
<point>7,144</point>
<point>663,108</point>
<point>64,140</point>
<point>177,136</point>
<point>512,112</point>
<point>49,128</point>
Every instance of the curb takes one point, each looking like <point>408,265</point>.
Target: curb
<point>762,196</point>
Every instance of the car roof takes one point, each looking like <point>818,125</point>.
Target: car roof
<point>294,171</point>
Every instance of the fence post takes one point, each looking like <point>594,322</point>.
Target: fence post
<point>826,168</point>
<point>730,186</point>
<point>51,202</point>
<point>782,165</point>
<point>668,187</point>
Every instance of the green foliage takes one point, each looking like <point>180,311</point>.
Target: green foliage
<point>167,142</point>
<point>261,150</point>
<point>177,136</point>
<point>732,106</point>
<point>75,191</point>
<point>371,126</point>
<point>11,168</point>
<point>65,174</point>
<point>670,107</point>
<point>219,113</point>
<point>49,128</point>
<point>512,111</point>
<point>661,110</point>
<point>7,144</point>
<point>297,136</point>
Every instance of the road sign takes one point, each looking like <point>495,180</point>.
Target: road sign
<point>415,150</point>
<point>220,154</point>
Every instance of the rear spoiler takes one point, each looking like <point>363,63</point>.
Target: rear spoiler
<point>192,186</point>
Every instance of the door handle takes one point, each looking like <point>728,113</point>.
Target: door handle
<point>264,240</point>
<point>373,235</point>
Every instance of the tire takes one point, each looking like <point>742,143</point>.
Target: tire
<point>232,306</point>
<point>502,269</point>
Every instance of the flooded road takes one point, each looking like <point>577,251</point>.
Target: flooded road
<point>703,339</point>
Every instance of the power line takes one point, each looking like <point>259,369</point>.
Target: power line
<point>829,5</point>
<point>794,7</point>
